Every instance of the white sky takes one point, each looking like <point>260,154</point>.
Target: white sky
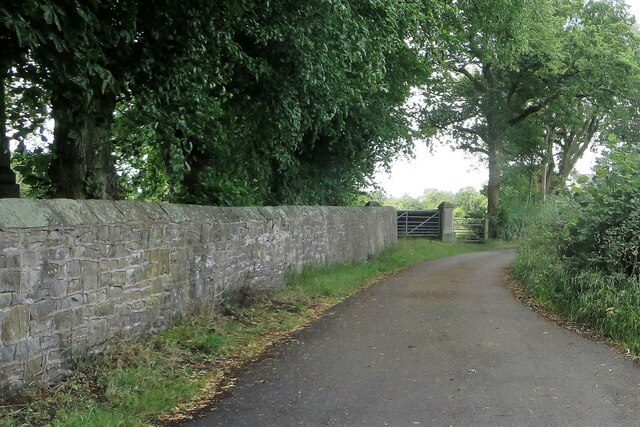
<point>449,170</point>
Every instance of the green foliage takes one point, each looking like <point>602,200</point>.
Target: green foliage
<point>581,253</point>
<point>534,83</point>
<point>31,166</point>
<point>306,102</point>
<point>197,335</point>
<point>606,231</point>
<point>520,200</point>
<point>229,104</point>
<point>469,202</point>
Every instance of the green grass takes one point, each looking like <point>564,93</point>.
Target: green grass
<point>609,304</point>
<point>134,383</point>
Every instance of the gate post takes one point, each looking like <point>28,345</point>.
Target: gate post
<point>446,233</point>
<point>485,234</point>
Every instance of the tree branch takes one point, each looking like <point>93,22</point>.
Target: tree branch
<point>462,70</point>
<point>468,130</point>
<point>532,110</point>
<point>474,149</point>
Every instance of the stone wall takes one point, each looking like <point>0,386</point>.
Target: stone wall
<point>76,275</point>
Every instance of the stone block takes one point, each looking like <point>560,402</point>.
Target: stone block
<point>98,330</point>
<point>6,299</point>
<point>78,251</point>
<point>39,292</point>
<point>10,242</point>
<point>75,301</point>
<point>56,254</point>
<point>152,271</point>
<point>10,280</point>
<point>24,213</point>
<point>97,297</point>
<point>114,292</point>
<point>41,309</point>
<point>72,269</point>
<point>119,278</point>
<point>88,267</point>
<point>105,280</point>
<point>34,369</point>
<point>14,325</point>
<point>58,288</point>
<point>7,353</point>
<point>75,286</point>
<point>105,309</point>
<point>107,265</point>
<point>121,250</point>
<point>89,282</point>
<point>27,348</point>
<point>10,260</point>
<point>68,319</point>
<point>50,341</point>
<point>157,286</point>
<point>135,275</point>
<point>123,263</point>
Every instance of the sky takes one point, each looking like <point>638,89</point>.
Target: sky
<point>444,169</point>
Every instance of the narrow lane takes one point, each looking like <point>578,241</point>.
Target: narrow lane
<point>441,344</point>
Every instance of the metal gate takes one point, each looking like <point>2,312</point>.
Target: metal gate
<point>469,229</point>
<point>419,224</point>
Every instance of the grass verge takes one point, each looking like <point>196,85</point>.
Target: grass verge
<point>164,377</point>
<point>608,304</point>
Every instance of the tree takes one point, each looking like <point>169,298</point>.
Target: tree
<point>16,37</point>
<point>547,57</point>
<point>84,59</point>
<point>432,198</point>
<point>471,202</point>
<point>494,75</point>
<point>307,102</point>
<point>240,102</point>
<point>602,41</point>
<point>406,202</point>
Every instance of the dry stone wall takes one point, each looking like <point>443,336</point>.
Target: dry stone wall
<point>77,275</point>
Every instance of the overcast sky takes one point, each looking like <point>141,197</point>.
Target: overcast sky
<point>449,170</point>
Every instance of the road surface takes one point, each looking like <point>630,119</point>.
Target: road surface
<point>441,344</point>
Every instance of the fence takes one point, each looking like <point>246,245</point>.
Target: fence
<point>471,230</point>
<point>419,224</point>
<point>430,224</point>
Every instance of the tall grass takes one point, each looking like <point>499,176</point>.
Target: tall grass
<point>607,301</point>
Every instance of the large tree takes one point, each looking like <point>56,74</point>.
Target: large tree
<point>306,100</point>
<point>494,74</point>
<point>514,61</point>
<point>86,57</point>
<point>238,102</point>
<point>602,42</point>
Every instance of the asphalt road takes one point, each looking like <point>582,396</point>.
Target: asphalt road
<point>440,344</point>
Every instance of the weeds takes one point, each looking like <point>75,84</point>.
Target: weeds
<point>137,383</point>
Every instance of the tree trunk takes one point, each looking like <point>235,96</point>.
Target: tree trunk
<point>8,185</point>
<point>82,165</point>
<point>575,146</point>
<point>570,145</point>
<point>493,193</point>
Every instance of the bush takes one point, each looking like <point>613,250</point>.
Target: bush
<point>580,253</point>
<point>606,232</point>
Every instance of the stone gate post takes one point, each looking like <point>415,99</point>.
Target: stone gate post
<point>446,234</point>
